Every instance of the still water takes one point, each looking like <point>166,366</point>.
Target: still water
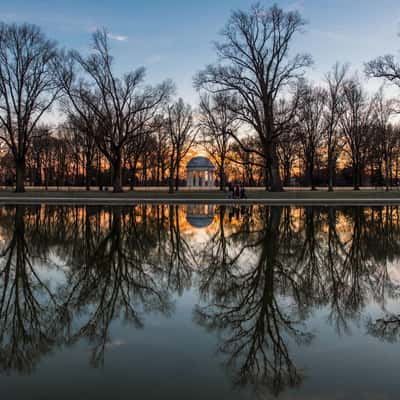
<point>199,302</point>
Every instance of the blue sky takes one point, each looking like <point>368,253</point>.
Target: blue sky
<point>173,38</point>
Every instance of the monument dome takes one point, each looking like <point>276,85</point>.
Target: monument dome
<point>200,172</point>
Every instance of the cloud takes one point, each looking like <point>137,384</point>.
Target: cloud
<point>118,38</point>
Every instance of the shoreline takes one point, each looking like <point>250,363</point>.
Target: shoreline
<point>269,199</point>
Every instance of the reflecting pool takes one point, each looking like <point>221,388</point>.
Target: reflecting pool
<point>199,302</point>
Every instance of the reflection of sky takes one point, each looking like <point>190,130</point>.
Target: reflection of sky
<point>351,366</point>
<point>53,271</point>
<point>173,358</point>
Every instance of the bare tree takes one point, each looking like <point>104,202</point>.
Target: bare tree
<point>288,150</point>
<point>179,126</point>
<point>137,148</point>
<point>332,114</point>
<point>34,157</point>
<point>255,64</point>
<point>356,126</point>
<point>218,122</point>
<point>27,88</point>
<point>311,127</point>
<point>161,154</point>
<point>245,161</point>
<point>384,67</point>
<point>82,127</point>
<point>388,68</point>
<point>63,156</point>
<point>386,137</point>
<point>123,106</point>
<point>134,152</point>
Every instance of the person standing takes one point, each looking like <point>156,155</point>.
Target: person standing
<point>242,191</point>
<point>237,191</point>
<point>230,190</point>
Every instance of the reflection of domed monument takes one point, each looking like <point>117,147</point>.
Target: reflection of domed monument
<point>200,172</point>
<point>200,215</point>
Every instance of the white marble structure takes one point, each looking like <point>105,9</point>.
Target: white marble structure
<point>200,215</point>
<point>200,172</point>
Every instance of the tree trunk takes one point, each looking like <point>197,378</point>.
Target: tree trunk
<point>117,178</point>
<point>171,185</point>
<point>275,178</point>
<point>98,167</point>
<point>331,172</point>
<point>88,174</point>
<point>38,171</point>
<point>133,175</point>
<point>177,176</point>
<point>386,174</point>
<point>162,180</point>
<point>20,175</point>
<point>171,175</point>
<point>286,173</point>
<point>311,174</point>
<point>46,177</point>
<point>222,177</point>
<point>76,178</point>
<point>158,173</point>
<point>356,176</point>
<point>144,171</point>
<point>267,176</point>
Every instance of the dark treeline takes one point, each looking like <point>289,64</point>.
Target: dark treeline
<point>261,274</point>
<point>259,118</point>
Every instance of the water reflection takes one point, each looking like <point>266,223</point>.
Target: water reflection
<point>259,274</point>
<point>200,215</point>
<point>257,307</point>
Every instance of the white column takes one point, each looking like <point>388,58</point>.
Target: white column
<point>203,178</point>
<point>190,178</point>
<point>210,178</point>
<point>196,178</point>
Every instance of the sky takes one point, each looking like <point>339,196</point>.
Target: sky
<point>173,38</point>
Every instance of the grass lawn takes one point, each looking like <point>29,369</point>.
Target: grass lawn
<point>253,195</point>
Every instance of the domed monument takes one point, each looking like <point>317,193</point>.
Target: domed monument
<point>200,172</point>
<point>200,215</point>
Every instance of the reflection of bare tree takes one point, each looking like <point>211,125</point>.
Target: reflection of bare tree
<point>363,270</point>
<point>335,285</point>
<point>113,282</point>
<point>28,307</point>
<point>349,275</point>
<point>305,260</point>
<point>386,328</point>
<point>221,258</point>
<point>260,275</point>
<point>356,266</point>
<point>256,320</point>
<point>107,278</point>
<point>308,257</point>
<point>384,245</point>
<point>179,255</point>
